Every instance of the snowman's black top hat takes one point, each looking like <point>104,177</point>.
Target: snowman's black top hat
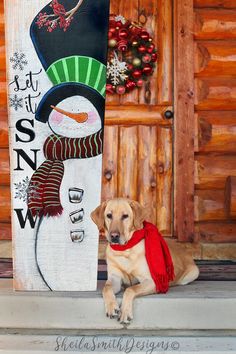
<point>75,59</point>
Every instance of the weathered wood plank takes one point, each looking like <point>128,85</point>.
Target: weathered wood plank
<point>4,167</point>
<point>5,231</point>
<point>3,129</point>
<point>147,179</point>
<point>230,197</point>
<point>212,170</point>
<point>209,205</point>
<point>184,119</point>
<point>216,232</point>
<point>110,154</point>
<point>128,162</point>
<point>5,205</point>
<point>113,99</point>
<point>216,131</point>
<point>214,24</point>
<point>164,180</point>
<point>165,62</point>
<point>215,94</point>
<point>215,59</point>
<point>130,10</point>
<point>221,4</point>
<point>149,16</point>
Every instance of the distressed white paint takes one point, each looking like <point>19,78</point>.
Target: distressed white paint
<point>66,265</point>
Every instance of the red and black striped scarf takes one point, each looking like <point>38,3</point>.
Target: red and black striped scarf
<point>44,188</point>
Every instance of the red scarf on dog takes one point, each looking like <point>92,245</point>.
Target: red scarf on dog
<point>157,254</point>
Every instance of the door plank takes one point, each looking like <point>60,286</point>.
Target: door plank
<point>110,154</point>
<point>4,167</point>
<point>184,119</point>
<point>164,180</point>
<point>147,157</point>
<point>128,162</point>
<point>5,231</point>
<point>113,99</point>
<point>216,232</point>
<point>130,10</point>
<point>148,18</point>
<point>165,62</point>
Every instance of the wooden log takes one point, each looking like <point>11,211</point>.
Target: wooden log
<point>5,231</point>
<point>110,153</point>
<point>215,94</point>
<point>3,94</point>
<point>209,205</point>
<point>2,57</point>
<point>216,232</point>
<point>130,115</point>
<point>128,162</point>
<point>165,61</point>
<point>214,24</point>
<point>215,59</point>
<point>221,4</point>
<point>147,179</point>
<point>4,167</point>
<point>216,131</point>
<point>164,181</point>
<point>184,120</point>
<point>230,197</point>
<point>4,143</point>
<point>5,205</point>
<point>212,170</point>
<point>130,10</point>
<point>149,19</point>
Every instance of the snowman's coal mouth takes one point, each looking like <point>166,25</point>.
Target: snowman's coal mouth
<point>77,236</point>
<point>76,195</point>
<point>77,216</point>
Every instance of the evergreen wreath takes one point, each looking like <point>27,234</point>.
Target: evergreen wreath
<point>131,55</point>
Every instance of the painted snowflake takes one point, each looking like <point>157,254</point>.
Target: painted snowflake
<point>21,189</point>
<point>16,102</point>
<point>116,70</point>
<point>19,61</point>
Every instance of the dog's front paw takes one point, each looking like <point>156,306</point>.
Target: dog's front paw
<point>112,309</point>
<point>126,314</point>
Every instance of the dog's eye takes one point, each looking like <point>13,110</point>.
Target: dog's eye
<point>109,216</point>
<point>125,216</point>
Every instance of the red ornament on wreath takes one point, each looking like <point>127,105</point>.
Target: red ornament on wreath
<point>131,56</point>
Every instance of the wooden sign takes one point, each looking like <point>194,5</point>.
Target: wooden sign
<point>57,77</point>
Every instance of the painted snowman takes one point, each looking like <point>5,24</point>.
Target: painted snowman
<point>66,187</point>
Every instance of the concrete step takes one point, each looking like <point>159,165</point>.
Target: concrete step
<point>198,306</point>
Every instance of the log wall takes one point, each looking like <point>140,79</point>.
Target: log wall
<point>215,108</point>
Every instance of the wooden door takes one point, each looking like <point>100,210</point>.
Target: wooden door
<point>138,137</point>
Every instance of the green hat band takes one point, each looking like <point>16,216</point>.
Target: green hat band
<point>79,69</point>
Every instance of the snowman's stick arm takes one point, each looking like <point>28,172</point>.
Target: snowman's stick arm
<point>39,221</point>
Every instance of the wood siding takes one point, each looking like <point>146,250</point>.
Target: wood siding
<point>215,113</point>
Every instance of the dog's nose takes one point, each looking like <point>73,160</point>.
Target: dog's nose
<point>115,237</point>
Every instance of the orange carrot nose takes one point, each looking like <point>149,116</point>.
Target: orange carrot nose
<point>78,117</point>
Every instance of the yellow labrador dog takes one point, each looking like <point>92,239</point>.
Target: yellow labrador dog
<point>119,218</point>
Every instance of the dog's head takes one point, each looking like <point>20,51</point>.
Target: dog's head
<point>119,218</point>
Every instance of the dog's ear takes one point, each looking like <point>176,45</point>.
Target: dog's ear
<point>98,216</point>
<point>139,214</point>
